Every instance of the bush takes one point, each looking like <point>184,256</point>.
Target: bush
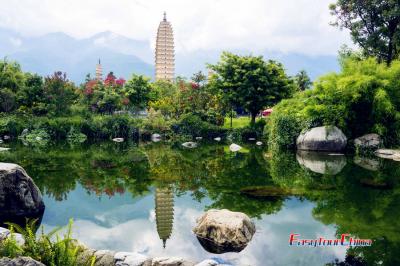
<point>61,251</point>
<point>363,98</point>
<point>190,124</point>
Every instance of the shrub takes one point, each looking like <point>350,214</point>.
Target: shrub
<point>190,124</point>
<point>44,248</point>
<point>363,98</point>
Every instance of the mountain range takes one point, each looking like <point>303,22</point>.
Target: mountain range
<point>124,56</point>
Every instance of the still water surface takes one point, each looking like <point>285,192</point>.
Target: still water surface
<point>112,191</point>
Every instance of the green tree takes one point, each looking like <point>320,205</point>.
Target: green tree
<point>59,93</point>
<point>31,97</point>
<point>302,80</point>
<point>251,82</point>
<point>138,91</point>
<point>373,24</point>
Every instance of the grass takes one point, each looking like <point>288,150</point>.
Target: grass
<point>237,122</point>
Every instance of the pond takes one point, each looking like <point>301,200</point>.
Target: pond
<point>146,198</point>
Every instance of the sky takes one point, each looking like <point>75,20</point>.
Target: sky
<point>287,26</point>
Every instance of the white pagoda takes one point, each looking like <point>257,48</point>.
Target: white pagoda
<point>164,54</point>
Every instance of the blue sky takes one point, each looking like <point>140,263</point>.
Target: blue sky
<point>287,26</point>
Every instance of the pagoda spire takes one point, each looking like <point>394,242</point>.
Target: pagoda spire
<point>99,71</point>
<point>165,52</point>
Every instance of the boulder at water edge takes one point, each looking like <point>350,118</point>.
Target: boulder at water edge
<point>369,142</point>
<point>189,145</point>
<point>20,198</point>
<point>20,261</point>
<point>220,231</point>
<point>234,147</point>
<point>326,138</point>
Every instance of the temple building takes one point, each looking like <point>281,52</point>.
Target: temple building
<point>164,212</point>
<point>164,54</point>
<point>99,71</point>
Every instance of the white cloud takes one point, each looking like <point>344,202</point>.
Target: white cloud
<point>300,26</point>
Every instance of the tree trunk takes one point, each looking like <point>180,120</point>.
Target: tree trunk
<point>253,118</point>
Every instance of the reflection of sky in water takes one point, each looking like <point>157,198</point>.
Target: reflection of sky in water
<point>125,224</point>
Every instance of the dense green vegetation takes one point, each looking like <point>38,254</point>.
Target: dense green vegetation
<point>50,249</point>
<point>363,98</point>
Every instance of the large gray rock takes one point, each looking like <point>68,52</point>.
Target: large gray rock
<point>170,261</point>
<point>321,162</point>
<point>326,138</point>
<point>20,261</point>
<point>220,231</point>
<point>388,154</point>
<point>20,198</point>
<point>369,142</point>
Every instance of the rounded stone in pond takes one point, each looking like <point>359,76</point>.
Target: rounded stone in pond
<point>221,231</point>
<point>20,198</point>
<point>326,138</point>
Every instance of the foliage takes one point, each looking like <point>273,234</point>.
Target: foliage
<point>250,82</point>
<point>59,93</point>
<point>193,125</point>
<point>363,98</point>
<point>374,25</point>
<point>302,81</point>
<point>61,251</point>
<point>137,91</point>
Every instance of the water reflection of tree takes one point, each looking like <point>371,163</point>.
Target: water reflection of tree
<point>363,203</point>
<point>106,168</point>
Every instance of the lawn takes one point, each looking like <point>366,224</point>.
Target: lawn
<point>237,122</point>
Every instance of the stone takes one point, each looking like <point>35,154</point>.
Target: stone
<point>367,163</point>
<point>220,231</point>
<point>326,138</point>
<point>252,139</point>
<point>207,263</point>
<point>322,163</point>
<point>4,149</point>
<point>104,258</point>
<point>368,142</point>
<point>199,138</point>
<point>217,139</point>
<point>388,154</point>
<point>234,147</point>
<point>155,137</point>
<point>20,198</point>
<point>20,261</point>
<point>118,139</point>
<point>170,261</point>
<point>129,259</point>
<point>189,145</point>
<point>259,143</point>
<point>6,137</point>
<point>5,233</point>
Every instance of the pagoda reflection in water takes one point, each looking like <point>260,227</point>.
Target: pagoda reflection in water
<point>164,199</point>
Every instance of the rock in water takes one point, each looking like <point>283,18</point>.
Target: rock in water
<point>20,261</point>
<point>155,137</point>
<point>321,162</point>
<point>118,139</point>
<point>326,138</point>
<point>20,198</point>
<point>259,143</point>
<point>220,231</point>
<point>189,145</point>
<point>234,147</point>
<point>217,139</point>
<point>369,142</point>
